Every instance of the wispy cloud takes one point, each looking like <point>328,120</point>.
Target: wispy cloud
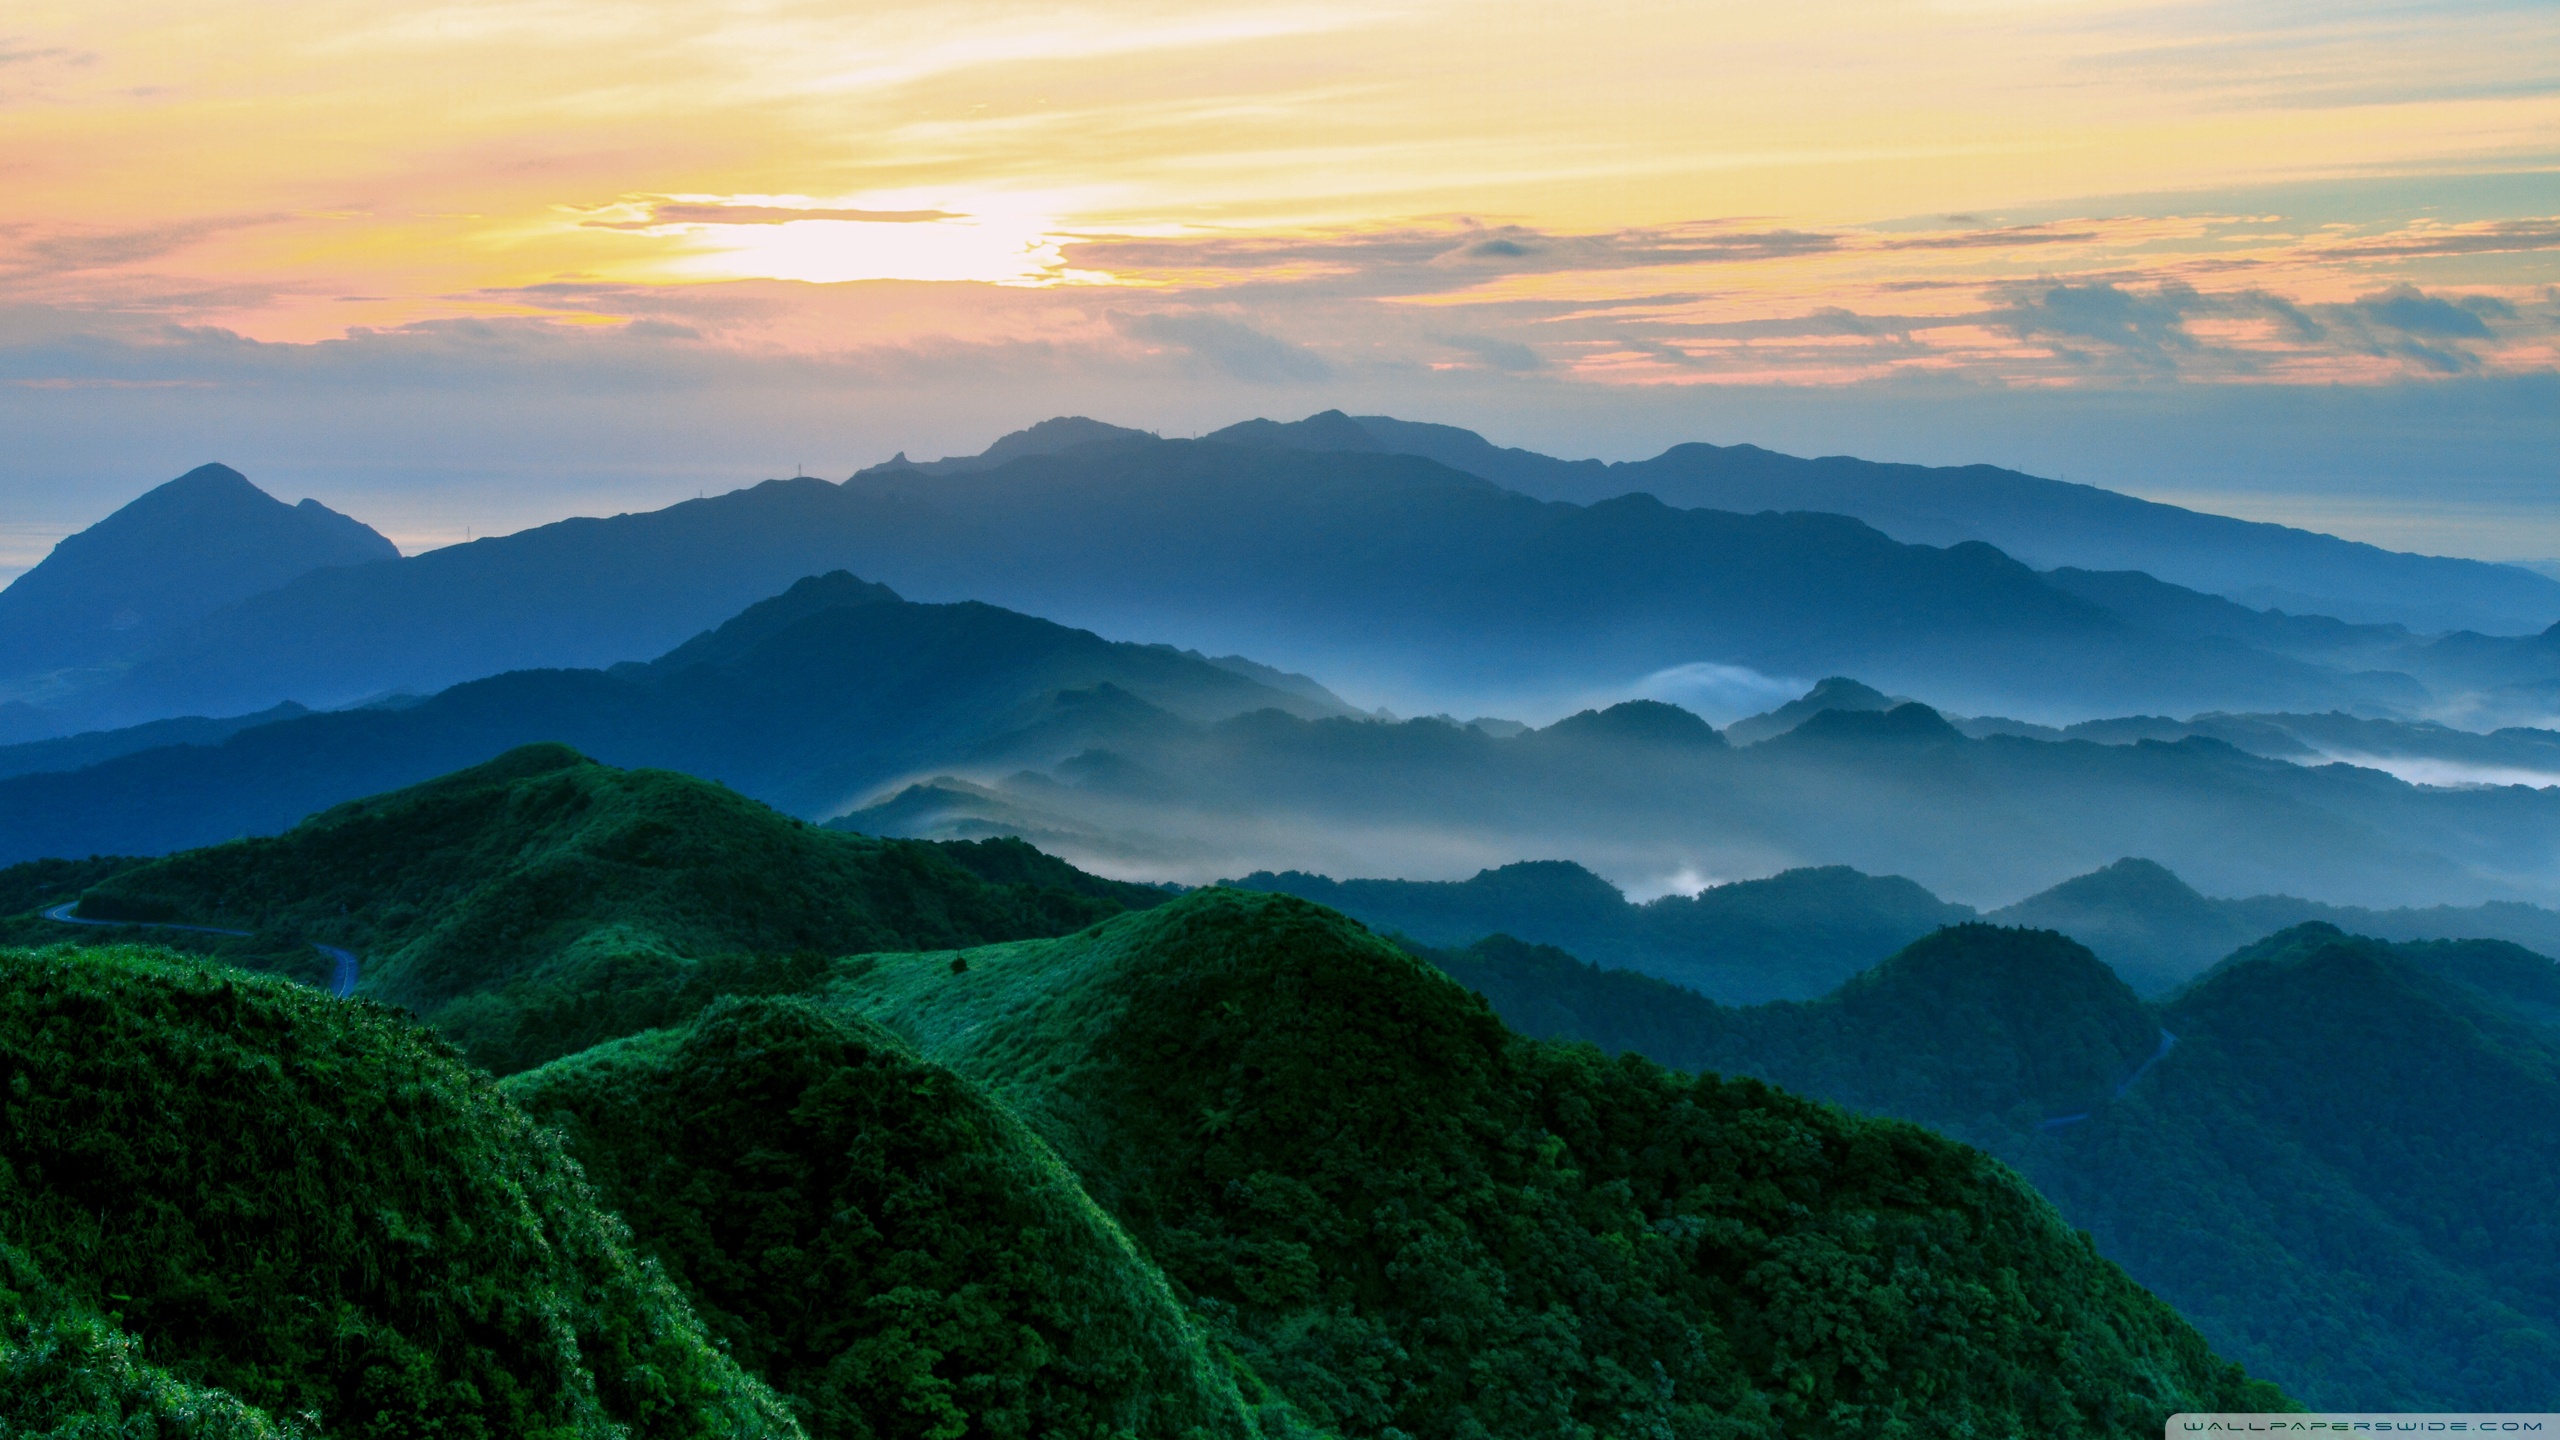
<point>1231,345</point>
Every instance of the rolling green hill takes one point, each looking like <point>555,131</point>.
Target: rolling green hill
<point>541,903</point>
<point>220,1182</point>
<point>2335,1155</point>
<point>1410,1220</point>
<point>885,1245</point>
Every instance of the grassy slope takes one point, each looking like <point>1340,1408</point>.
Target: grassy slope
<point>541,903</point>
<point>1411,1220</point>
<point>867,1231</point>
<point>311,1206</point>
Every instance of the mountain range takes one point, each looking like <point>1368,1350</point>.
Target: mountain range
<point>2335,1154</point>
<point>2049,524</point>
<point>1651,794</point>
<point>812,700</point>
<point>961,721</point>
<point>1798,934</point>
<point>1392,573</point>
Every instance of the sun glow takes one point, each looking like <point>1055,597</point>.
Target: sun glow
<point>1562,192</point>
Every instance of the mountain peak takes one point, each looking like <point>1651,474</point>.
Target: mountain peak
<point>1324,430</point>
<point>213,478</point>
<point>1052,436</point>
<point>810,595</point>
<point>1836,692</point>
<point>1907,721</point>
<point>2130,879</point>
<point>171,556</point>
<point>1639,722</point>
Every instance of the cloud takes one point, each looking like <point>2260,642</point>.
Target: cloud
<point>2147,329</point>
<point>1231,345</point>
<point>674,212</point>
<point>2005,237</point>
<point>2493,237</point>
<point>65,252</point>
<point>1497,352</point>
<point>2412,311</point>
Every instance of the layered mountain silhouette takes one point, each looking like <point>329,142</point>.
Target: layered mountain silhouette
<point>1789,937</point>
<point>1798,934</point>
<point>811,700</point>
<point>1900,791</point>
<point>2335,1154</point>
<point>2045,523</point>
<point>179,553</point>
<point>1391,572</point>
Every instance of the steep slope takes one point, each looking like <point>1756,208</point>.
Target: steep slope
<point>1409,1219</point>
<point>310,1206</point>
<point>166,560</point>
<point>809,700</point>
<point>2285,1151</point>
<point>540,903</point>
<point>1393,572</point>
<point>2044,522</point>
<point>868,1232</point>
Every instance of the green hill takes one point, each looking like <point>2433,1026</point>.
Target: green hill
<point>872,1235</point>
<point>1410,1220</point>
<point>219,1182</point>
<point>541,903</point>
<point>2335,1155</point>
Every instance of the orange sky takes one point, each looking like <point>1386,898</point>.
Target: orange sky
<point>288,170</point>
<point>1603,197</point>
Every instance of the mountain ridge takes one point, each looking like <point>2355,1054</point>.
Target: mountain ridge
<point>1391,570</point>
<point>2080,525</point>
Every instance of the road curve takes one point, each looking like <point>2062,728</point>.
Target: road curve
<point>342,978</point>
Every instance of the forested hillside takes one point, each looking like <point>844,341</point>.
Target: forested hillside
<point>1411,1220</point>
<point>1230,1166</point>
<point>234,1207</point>
<point>981,1292</point>
<point>2271,1149</point>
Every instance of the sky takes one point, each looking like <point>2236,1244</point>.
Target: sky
<point>458,268</point>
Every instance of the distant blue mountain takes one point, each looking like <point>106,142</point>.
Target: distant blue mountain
<point>1394,573</point>
<point>810,700</point>
<point>2045,523</point>
<point>178,553</point>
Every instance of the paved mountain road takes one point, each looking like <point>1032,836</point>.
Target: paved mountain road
<point>342,979</point>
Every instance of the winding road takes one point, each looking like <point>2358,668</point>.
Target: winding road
<point>342,979</point>
<point>2168,1042</point>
